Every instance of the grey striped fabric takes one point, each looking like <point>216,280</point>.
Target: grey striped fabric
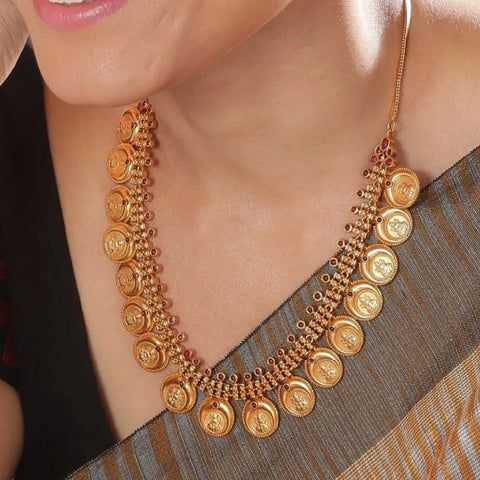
<point>428,327</point>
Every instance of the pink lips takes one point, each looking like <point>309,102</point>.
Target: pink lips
<point>72,17</point>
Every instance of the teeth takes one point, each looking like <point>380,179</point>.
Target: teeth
<point>69,2</point>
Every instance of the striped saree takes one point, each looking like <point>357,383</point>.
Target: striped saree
<point>408,405</point>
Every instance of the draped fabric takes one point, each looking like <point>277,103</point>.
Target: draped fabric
<point>408,405</point>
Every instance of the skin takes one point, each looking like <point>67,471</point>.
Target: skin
<point>11,430</point>
<point>267,114</point>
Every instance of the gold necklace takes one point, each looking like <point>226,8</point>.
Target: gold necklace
<point>146,315</point>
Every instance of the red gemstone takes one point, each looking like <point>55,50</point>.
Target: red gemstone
<point>187,354</point>
<point>389,162</point>
<point>373,159</point>
<point>385,143</point>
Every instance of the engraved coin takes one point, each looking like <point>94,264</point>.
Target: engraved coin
<point>396,225</point>
<point>296,396</point>
<point>178,394</point>
<point>345,335</point>
<point>216,416</point>
<point>136,316</point>
<point>129,279</point>
<point>260,417</point>
<point>128,125</point>
<point>120,163</point>
<point>379,264</point>
<point>402,188</point>
<point>119,204</point>
<point>363,300</point>
<point>118,243</point>
<point>150,353</point>
<point>324,367</point>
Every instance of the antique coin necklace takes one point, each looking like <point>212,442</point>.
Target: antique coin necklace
<point>146,312</point>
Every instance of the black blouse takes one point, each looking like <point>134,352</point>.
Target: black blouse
<point>65,424</point>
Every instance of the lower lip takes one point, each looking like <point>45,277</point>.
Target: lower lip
<point>73,17</point>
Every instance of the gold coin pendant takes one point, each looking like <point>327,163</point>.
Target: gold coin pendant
<point>296,396</point>
<point>136,316</point>
<point>149,352</point>
<point>129,279</point>
<point>378,264</point>
<point>324,367</point>
<point>118,243</point>
<point>260,417</point>
<point>178,394</point>
<point>216,416</point>
<point>395,225</point>
<point>129,126</point>
<point>402,188</point>
<point>363,300</point>
<point>119,204</point>
<point>345,336</point>
<point>120,163</point>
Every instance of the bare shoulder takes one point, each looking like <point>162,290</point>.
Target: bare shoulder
<point>440,118</point>
<point>11,433</point>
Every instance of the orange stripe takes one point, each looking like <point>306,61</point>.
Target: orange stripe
<point>449,407</point>
<point>82,474</point>
<point>111,466</point>
<point>162,450</point>
<point>128,454</point>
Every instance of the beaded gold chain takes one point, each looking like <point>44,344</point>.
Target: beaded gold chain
<point>145,313</point>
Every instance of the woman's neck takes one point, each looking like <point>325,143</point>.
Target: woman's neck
<point>309,93</point>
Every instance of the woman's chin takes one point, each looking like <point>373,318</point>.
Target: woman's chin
<point>109,81</point>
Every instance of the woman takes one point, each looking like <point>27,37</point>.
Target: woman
<point>267,113</point>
